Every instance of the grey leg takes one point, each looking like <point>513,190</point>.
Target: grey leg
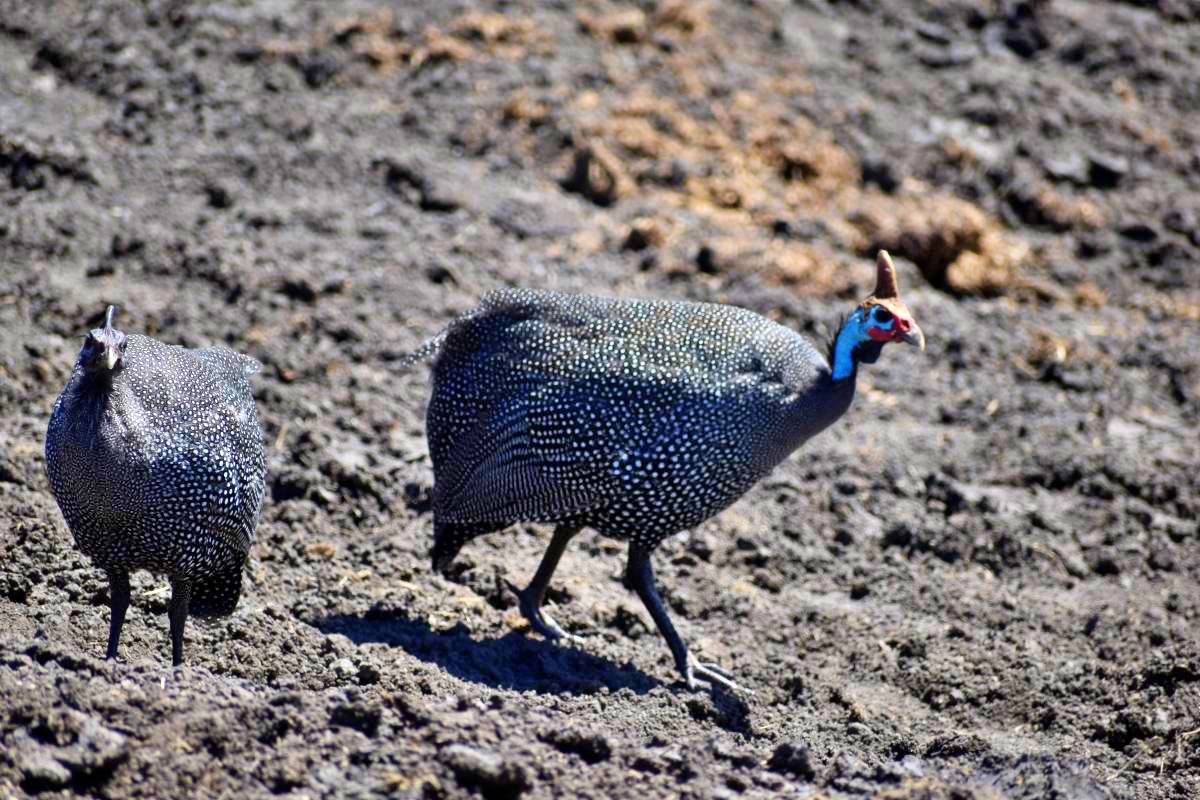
<point>533,595</point>
<point>177,611</point>
<point>640,577</point>
<point>118,590</point>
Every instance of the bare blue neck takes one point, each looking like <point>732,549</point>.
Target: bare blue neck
<point>848,338</point>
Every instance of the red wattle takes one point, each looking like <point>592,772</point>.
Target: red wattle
<point>879,335</point>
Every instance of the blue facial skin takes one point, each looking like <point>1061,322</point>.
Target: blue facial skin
<point>855,332</point>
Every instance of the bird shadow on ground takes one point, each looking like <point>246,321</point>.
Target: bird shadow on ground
<point>512,661</point>
<point>520,663</point>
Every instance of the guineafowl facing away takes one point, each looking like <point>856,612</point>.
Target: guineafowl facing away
<point>155,456</point>
<point>637,418</point>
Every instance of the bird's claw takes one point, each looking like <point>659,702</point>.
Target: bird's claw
<point>697,673</point>
<point>540,621</point>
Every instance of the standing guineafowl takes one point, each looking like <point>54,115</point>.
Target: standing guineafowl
<point>637,418</point>
<point>155,456</point>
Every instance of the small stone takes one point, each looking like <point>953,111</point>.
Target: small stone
<point>954,55</point>
<point>490,773</point>
<point>344,668</point>
<point>1106,171</point>
<point>1070,166</point>
<point>41,771</point>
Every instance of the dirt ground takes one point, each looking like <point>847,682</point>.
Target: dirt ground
<point>984,582</point>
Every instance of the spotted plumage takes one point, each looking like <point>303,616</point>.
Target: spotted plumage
<point>638,419</point>
<point>155,456</point>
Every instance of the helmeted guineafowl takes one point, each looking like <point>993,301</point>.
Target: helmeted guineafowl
<point>637,418</point>
<point>155,456</point>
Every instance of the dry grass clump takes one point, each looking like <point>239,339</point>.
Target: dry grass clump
<point>504,35</point>
<point>597,174</point>
<point>683,17</point>
<point>808,269</point>
<point>437,46</point>
<point>375,38</point>
<point>626,26</point>
<point>1088,295</point>
<point>632,25</point>
<point>523,107</point>
<point>798,152</point>
<point>957,246</point>
<point>649,232</point>
<point>1045,206</point>
<point>1185,306</point>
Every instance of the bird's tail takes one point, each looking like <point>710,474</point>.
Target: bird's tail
<point>432,347</point>
<point>217,595</point>
<point>443,555</point>
<point>449,538</point>
<point>426,352</point>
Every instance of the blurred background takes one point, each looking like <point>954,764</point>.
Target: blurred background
<point>984,582</point>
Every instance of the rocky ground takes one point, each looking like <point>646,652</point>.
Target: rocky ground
<point>984,582</point>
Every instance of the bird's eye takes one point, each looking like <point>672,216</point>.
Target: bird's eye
<point>882,315</point>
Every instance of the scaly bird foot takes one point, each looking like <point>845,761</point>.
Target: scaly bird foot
<point>540,621</point>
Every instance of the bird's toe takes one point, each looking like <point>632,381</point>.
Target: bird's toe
<point>540,621</point>
<point>705,674</point>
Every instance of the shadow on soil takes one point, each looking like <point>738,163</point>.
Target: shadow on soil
<point>515,661</point>
<point>512,661</point>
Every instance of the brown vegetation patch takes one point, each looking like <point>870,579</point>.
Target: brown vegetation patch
<point>682,17</point>
<point>1043,206</point>
<point>764,188</point>
<point>798,152</point>
<point>626,26</point>
<point>1089,295</point>
<point>437,46</point>
<point>809,270</point>
<point>375,38</point>
<point>523,107</point>
<point>649,232</point>
<point>956,245</point>
<point>598,175</point>
<point>504,35</point>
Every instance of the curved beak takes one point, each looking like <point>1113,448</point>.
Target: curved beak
<point>111,356</point>
<point>914,335</point>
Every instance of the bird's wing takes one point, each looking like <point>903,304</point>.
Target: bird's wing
<point>535,456</point>
<point>189,473</point>
<point>232,366</point>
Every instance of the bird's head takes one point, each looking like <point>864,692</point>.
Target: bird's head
<point>103,348</point>
<point>881,318</point>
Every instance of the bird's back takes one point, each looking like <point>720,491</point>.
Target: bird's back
<point>548,406</point>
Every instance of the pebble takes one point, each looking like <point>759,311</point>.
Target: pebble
<point>494,776</point>
<point>344,668</point>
